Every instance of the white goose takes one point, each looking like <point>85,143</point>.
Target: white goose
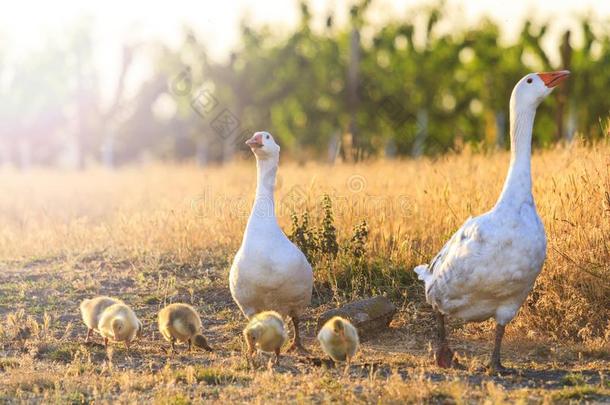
<point>489,266</point>
<point>269,272</point>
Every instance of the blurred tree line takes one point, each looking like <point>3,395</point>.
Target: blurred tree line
<point>350,92</point>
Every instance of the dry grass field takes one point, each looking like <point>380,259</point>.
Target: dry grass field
<point>159,234</point>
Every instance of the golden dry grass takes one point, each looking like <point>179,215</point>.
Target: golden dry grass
<point>167,233</point>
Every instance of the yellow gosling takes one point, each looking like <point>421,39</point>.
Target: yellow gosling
<point>180,322</point>
<point>119,323</point>
<point>339,339</point>
<point>91,310</point>
<point>266,332</point>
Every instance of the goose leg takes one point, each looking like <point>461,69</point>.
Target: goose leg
<point>277,356</point>
<point>495,364</point>
<point>296,344</point>
<point>444,355</point>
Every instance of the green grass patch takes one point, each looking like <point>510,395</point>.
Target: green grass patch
<point>211,376</point>
<point>581,392</point>
<point>77,398</point>
<point>177,399</point>
<point>54,352</point>
<point>573,379</point>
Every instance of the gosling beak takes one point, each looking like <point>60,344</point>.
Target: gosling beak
<point>256,141</point>
<point>552,79</point>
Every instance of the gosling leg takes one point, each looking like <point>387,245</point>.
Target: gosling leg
<point>89,332</point>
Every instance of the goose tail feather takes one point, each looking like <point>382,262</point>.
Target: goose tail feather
<point>423,273</point>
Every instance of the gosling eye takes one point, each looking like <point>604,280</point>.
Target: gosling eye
<point>529,80</point>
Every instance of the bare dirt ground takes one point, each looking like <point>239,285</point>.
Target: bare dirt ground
<point>44,358</point>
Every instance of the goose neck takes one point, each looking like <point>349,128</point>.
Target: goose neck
<point>518,184</point>
<point>264,205</point>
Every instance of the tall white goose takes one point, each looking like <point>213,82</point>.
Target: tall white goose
<point>269,272</point>
<point>489,266</point>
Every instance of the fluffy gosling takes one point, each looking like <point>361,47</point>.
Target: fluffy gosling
<point>119,323</point>
<point>266,332</point>
<point>91,310</point>
<point>339,339</point>
<point>180,322</point>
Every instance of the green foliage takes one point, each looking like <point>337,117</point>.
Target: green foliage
<point>341,265</point>
<point>316,242</point>
<point>414,96</point>
<point>328,233</point>
<point>357,245</point>
<point>305,237</point>
<point>413,89</point>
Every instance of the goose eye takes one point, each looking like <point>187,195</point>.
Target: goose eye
<point>267,136</point>
<point>529,80</point>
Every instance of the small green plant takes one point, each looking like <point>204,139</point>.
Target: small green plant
<point>304,236</point>
<point>340,264</point>
<point>328,234</point>
<point>313,241</point>
<point>357,244</point>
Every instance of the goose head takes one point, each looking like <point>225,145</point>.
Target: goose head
<point>263,145</point>
<point>535,87</point>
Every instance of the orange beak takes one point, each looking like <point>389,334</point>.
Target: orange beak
<point>256,141</point>
<point>552,79</point>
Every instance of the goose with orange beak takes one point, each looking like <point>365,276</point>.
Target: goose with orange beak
<point>269,272</point>
<point>489,266</point>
